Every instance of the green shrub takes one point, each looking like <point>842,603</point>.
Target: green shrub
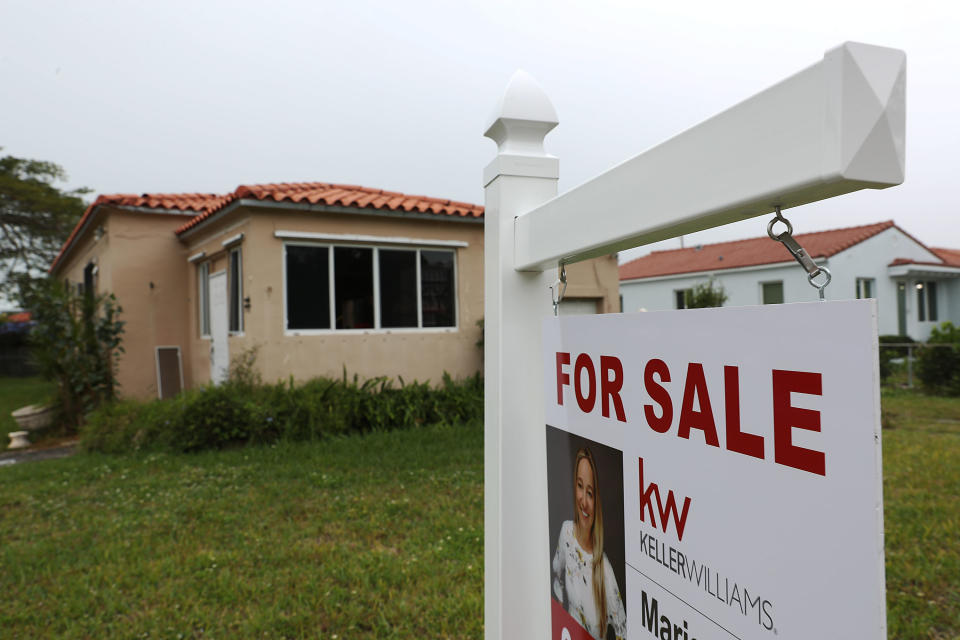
<point>888,354</point>
<point>243,411</point>
<point>704,295</point>
<point>939,367</point>
<point>76,340</point>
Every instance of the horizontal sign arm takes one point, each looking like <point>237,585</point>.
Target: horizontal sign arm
<point>835,127</point>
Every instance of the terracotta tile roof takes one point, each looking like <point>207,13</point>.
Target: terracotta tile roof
<point>205,205</point>
<point>746,253</point>
<point>198,202</point>
<point>950,256</point>
<point>345,195</point>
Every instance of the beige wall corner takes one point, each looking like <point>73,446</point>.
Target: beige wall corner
<point>596,279</point>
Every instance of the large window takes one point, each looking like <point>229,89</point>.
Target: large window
<point>772,292</point>
<point>235,289</point>
<point>353,287</point>
<point>203,298</point>
<point>927,301</point>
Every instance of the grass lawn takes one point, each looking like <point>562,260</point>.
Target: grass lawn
<point>921,490</point>
<point>377,536</point>
<point>16,393</point>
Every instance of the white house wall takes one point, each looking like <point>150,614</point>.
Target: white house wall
<point>867,259</point>
<point>743,287</point>
<point>870,259</point>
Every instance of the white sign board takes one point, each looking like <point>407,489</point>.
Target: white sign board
<point>733,459</point>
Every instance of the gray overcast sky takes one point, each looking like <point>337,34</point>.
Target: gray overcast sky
<point>174,96</point>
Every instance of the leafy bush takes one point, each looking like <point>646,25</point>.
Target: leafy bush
<point>242,411</point>
<point>76,340</point>
<point>939,367</point>
<point>889,354</point>
<point>705,294</point>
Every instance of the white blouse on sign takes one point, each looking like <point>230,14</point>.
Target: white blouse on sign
<point>573,586</point>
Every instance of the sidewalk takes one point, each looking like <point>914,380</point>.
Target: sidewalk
<point>60,450</point>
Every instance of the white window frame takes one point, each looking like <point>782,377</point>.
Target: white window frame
<point>377,328</point>
<point>203,299</point>
<point>866,283</point>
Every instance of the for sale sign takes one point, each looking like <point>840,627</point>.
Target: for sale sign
<point>716,474</point>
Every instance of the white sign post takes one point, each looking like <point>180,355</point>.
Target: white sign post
<point>835,127</point>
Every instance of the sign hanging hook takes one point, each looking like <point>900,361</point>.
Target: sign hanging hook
<point>557,289</point>
<point>799,253</point>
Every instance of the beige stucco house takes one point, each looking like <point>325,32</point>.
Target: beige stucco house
<point>317,277</point>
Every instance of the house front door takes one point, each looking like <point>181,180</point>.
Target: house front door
<point>219,350</point>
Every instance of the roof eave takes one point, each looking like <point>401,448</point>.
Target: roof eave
<point>915,269</point>
<point>322,208</point>
<point>71,242</point>
<point>94,214</point>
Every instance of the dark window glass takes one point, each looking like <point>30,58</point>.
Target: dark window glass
<point>308,288</point>
<point>681,298</point>
<point>236,292</point>
<point>88,287</point>
<point>772,293</point>
<point>932,301</point>
<point>398,288</point>
<point>436,288</point>
<point>921,302</point>
<point>353,287</point>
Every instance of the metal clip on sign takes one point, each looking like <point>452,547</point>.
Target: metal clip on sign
<point>557,289</point>
<point>812,268</point>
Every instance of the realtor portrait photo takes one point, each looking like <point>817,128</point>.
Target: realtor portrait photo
<point>585,489</point>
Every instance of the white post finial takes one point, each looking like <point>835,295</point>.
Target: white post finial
<point>523,117</point>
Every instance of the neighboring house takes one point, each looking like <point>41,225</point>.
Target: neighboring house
<point>317,277</point>
<point>916,287</point>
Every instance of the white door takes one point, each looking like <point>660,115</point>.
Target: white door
<point>219,351</point>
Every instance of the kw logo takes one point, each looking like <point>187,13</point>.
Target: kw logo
<point>648,492</point>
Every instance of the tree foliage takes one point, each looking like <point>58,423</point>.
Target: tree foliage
<point>705,294</point>
<point>76,340</point>
<point>36,217</point>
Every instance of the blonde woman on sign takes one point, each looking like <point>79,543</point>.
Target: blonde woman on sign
<point>583,579</point>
